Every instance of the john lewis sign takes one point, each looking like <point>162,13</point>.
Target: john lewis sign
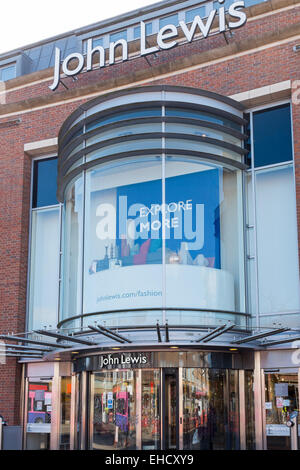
<point>167,38</point>
<point>123,361</point>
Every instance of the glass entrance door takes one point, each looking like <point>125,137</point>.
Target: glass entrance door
<point>150,410</point>
<point>113,410</point>
<point>210,409</point>
<point>125,410</point>
<point>170,409</point>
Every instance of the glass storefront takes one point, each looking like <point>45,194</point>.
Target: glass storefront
<point>281,401</point>
<point>39,410</point>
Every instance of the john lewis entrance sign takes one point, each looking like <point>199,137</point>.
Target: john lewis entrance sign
<point>123,361</point>
<point>166,38</point>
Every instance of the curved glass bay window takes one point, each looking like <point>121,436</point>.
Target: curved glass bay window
<point>151,181</point>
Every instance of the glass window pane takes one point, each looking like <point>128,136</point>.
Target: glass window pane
<point>75,150</point>
<point>117,36</point>
<point>65,413</point>
<point>251,265</point>
<point>123,256</point>
<point>7,73</point>
<point>97,42</point>
<point>277,242</point>
<point>173,19</point>
<point>250,410</point>
<point>272,136</point>
<point>39,415</point>
<point>202,131</point>
<point>124,147</point>
<point>204,239</point>
<point>208,148</point>
<point>73,136</point>
<point>194,114</point>
<point>226,4</point>
<point>78,407</point>
<point>137,31</point>
<point>44,183</point>
<point>150,112</point>
<point>72,249</point>
<point>211,409</point>
<point>247,145</point>
<point>281,398</point>
<point>75,165</point>
<point>43,299</point>
<point>287,320</point>
<point>249,3</point>
<point>124,131</point>
<point>190,15</point>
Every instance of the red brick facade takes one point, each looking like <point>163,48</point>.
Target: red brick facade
<point>260,54</point>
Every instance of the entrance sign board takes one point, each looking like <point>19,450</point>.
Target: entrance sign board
<point>157,359</point>
<point>124,360</point>
<point>167,38</point>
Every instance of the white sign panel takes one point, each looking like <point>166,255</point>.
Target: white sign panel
<point>277,430</point>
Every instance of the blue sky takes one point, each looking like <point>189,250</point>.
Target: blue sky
<point>26,21</point>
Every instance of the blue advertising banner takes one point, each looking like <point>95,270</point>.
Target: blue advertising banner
<point>192,219</point>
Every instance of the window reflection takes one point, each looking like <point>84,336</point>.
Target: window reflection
<point>72,249</point>
<point>44,182</point>
<point>150,409</point>
<point>114,410</point>
<point>204,239</point>
<point>202,115</point>
<point>272,136</point>
<point>124,115</point>
<point>65,413</point>
<point>211,411</point>
<point>281,399</point>
<point>43,304</point>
